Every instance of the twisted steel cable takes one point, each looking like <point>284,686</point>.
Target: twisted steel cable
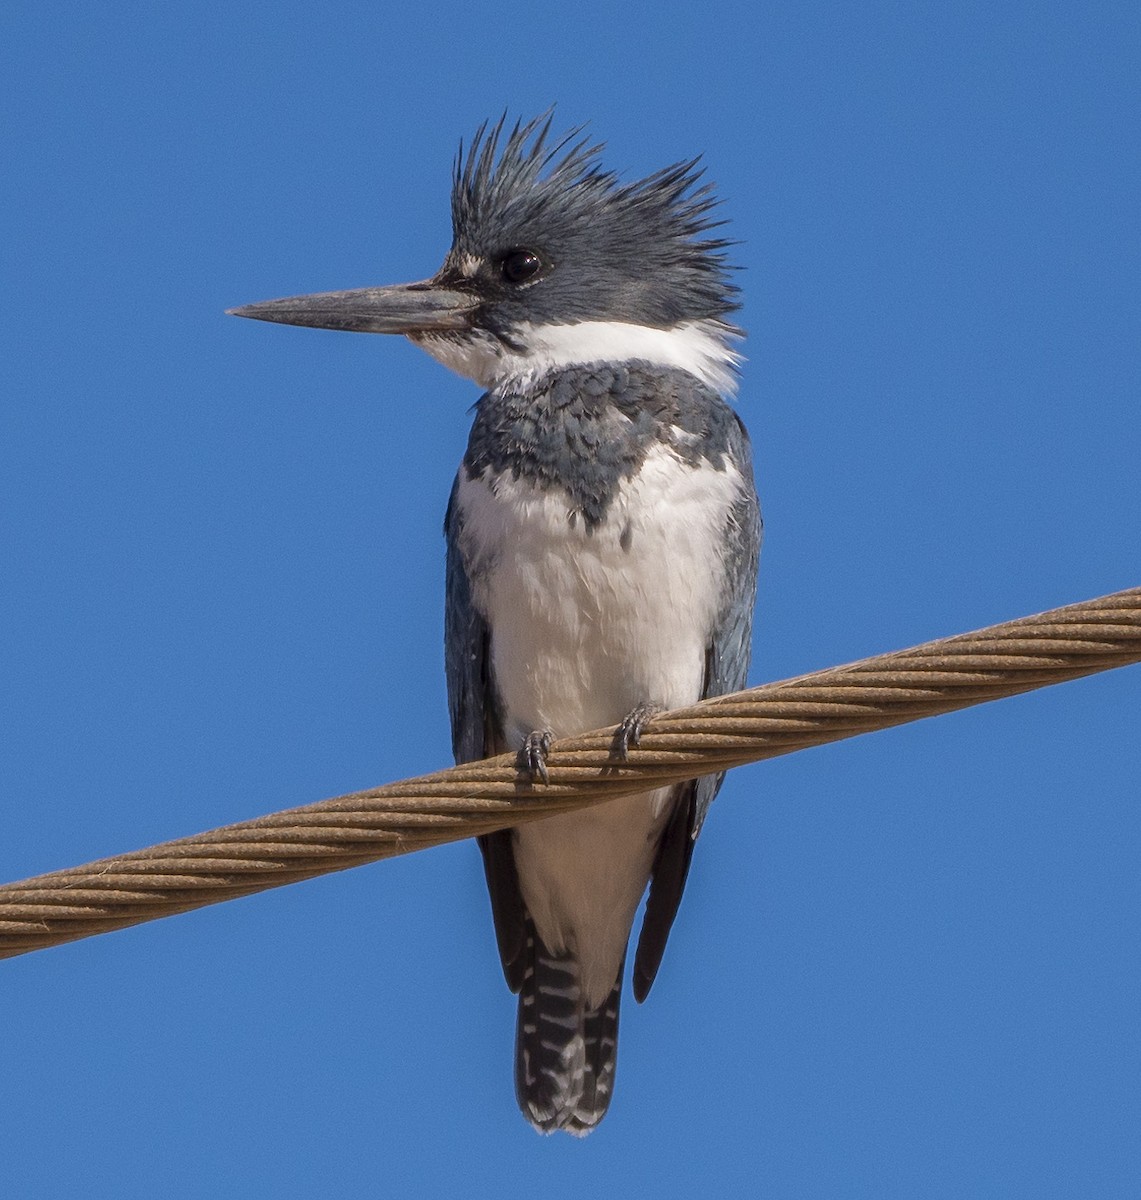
<point>475,798</point>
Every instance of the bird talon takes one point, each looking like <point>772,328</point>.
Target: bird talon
<point>629,732</point>
<point>533,754</point>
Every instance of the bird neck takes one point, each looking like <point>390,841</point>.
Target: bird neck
<point>700,348</point>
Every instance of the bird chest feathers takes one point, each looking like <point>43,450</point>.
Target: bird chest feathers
<point>593,616</point>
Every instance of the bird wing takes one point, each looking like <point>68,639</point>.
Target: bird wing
<point>477,733</point>
<point>726,667</point>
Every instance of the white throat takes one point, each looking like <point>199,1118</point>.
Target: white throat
<point>699,347</point>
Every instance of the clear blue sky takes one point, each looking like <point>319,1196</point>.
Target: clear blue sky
<point>906,965</point>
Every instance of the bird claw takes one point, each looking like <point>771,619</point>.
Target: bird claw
<point>532,757</point>
<point>629,732</point>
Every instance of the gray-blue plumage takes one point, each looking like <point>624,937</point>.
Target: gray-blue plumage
<point>587,428</point>
<point>602,543</point>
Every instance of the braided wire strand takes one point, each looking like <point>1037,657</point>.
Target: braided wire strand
<point>474,798</point>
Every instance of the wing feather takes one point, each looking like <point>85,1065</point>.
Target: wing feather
<point>477,733</point>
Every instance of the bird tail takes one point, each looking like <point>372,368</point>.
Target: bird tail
<point>565,1054</point>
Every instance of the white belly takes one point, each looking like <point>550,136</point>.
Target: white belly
<point>585,625</point>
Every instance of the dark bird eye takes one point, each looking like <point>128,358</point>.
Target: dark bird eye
<point>518,266</point>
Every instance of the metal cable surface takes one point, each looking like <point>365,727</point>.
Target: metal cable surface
<point>778,718</point>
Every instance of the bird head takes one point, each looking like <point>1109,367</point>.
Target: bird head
<point>554,261</point>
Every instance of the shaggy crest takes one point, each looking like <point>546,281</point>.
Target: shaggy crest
<point>527,189</point>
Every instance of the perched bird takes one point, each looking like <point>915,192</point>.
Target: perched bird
<point>602,544</point>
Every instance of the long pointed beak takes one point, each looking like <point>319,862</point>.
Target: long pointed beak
<point>407,308</point>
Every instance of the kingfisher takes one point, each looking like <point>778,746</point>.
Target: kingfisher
<point>603,534</point>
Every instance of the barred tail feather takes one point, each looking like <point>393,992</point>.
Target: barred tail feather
<point>565,1055</point>
<point>600,1034</point>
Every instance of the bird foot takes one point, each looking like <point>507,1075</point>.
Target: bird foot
<point>532,756</point>
<point>629,732</point>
